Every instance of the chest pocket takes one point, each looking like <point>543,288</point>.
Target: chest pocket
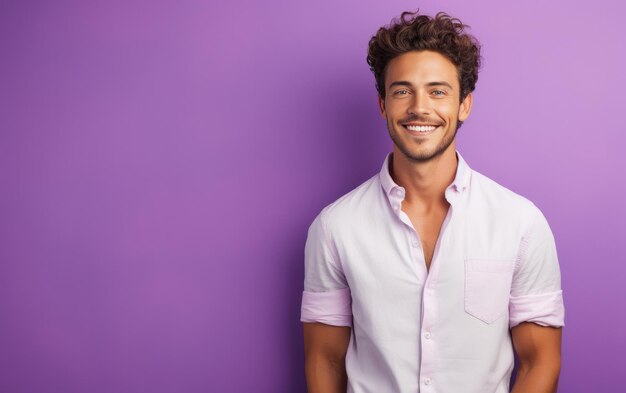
<point>487,288</point>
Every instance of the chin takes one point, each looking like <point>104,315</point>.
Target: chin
<point>424,153</point>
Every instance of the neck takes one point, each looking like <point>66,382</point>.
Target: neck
<point>425,182</point>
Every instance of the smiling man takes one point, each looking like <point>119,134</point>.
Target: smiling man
<point>429,276</point>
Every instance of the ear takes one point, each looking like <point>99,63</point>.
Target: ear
<point>466,107</point>
<point>381,107</point>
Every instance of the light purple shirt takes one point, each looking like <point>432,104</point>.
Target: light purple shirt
<point>445,330</point>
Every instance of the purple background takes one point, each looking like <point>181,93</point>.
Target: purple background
<point>161,162</point>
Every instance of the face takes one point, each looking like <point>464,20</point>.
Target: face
<point>421,104</point>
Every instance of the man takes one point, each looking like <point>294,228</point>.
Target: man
<point>429,276</point>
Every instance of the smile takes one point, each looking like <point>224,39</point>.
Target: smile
<point>420,128</point>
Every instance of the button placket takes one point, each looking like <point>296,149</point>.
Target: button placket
<point>427,366</point>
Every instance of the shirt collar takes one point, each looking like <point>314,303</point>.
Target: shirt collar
<point>459,184</point>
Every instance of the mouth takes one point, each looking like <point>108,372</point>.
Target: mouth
<point>420,129</point>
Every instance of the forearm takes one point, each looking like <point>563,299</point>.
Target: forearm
<point>538,378</point>
<point>324,375</point>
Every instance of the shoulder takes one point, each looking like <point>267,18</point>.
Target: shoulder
<point>499,200</point>
<point>352,205</point>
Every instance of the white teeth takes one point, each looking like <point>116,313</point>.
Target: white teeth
<point>421,128</point>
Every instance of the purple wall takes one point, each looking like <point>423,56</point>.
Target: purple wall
<point>161,162</point>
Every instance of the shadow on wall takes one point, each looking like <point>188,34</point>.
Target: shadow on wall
<point>293,295</point>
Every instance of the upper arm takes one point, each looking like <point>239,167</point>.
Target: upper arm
<point>536,294</point>
<point>326,297</point>
<point>536,312</point>
<point>326,310</point>
<point>535,344</point>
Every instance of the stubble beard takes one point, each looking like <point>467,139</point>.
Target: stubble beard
<point>424,155</point>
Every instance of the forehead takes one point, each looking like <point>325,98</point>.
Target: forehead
<point>420,67</point>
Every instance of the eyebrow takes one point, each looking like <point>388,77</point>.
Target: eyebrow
<point>429,84</point>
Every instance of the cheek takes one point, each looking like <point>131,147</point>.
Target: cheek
<point>395,110</point>
<point>450,110</point>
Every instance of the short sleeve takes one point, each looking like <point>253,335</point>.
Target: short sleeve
<point>326,296</point>
<point>536,294</point>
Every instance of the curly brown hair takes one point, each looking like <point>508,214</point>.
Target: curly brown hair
<point>413,32</point>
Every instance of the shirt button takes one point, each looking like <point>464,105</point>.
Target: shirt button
<point>427,381</point>
<point>415,243</point>
<point>427,335</point>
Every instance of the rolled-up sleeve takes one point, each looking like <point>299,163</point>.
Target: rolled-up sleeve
<point>326,296</point>
<point>536,294</point>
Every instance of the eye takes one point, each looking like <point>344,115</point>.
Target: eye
<point>439,92</point>
<point>401,92</point>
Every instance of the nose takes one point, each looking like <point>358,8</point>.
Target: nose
<point>420,105</point>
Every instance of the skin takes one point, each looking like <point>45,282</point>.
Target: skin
<point>325,348</point>
<point>538,349</point>
<point>422,87</point>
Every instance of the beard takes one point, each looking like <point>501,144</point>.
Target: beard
<point>422,156</point>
